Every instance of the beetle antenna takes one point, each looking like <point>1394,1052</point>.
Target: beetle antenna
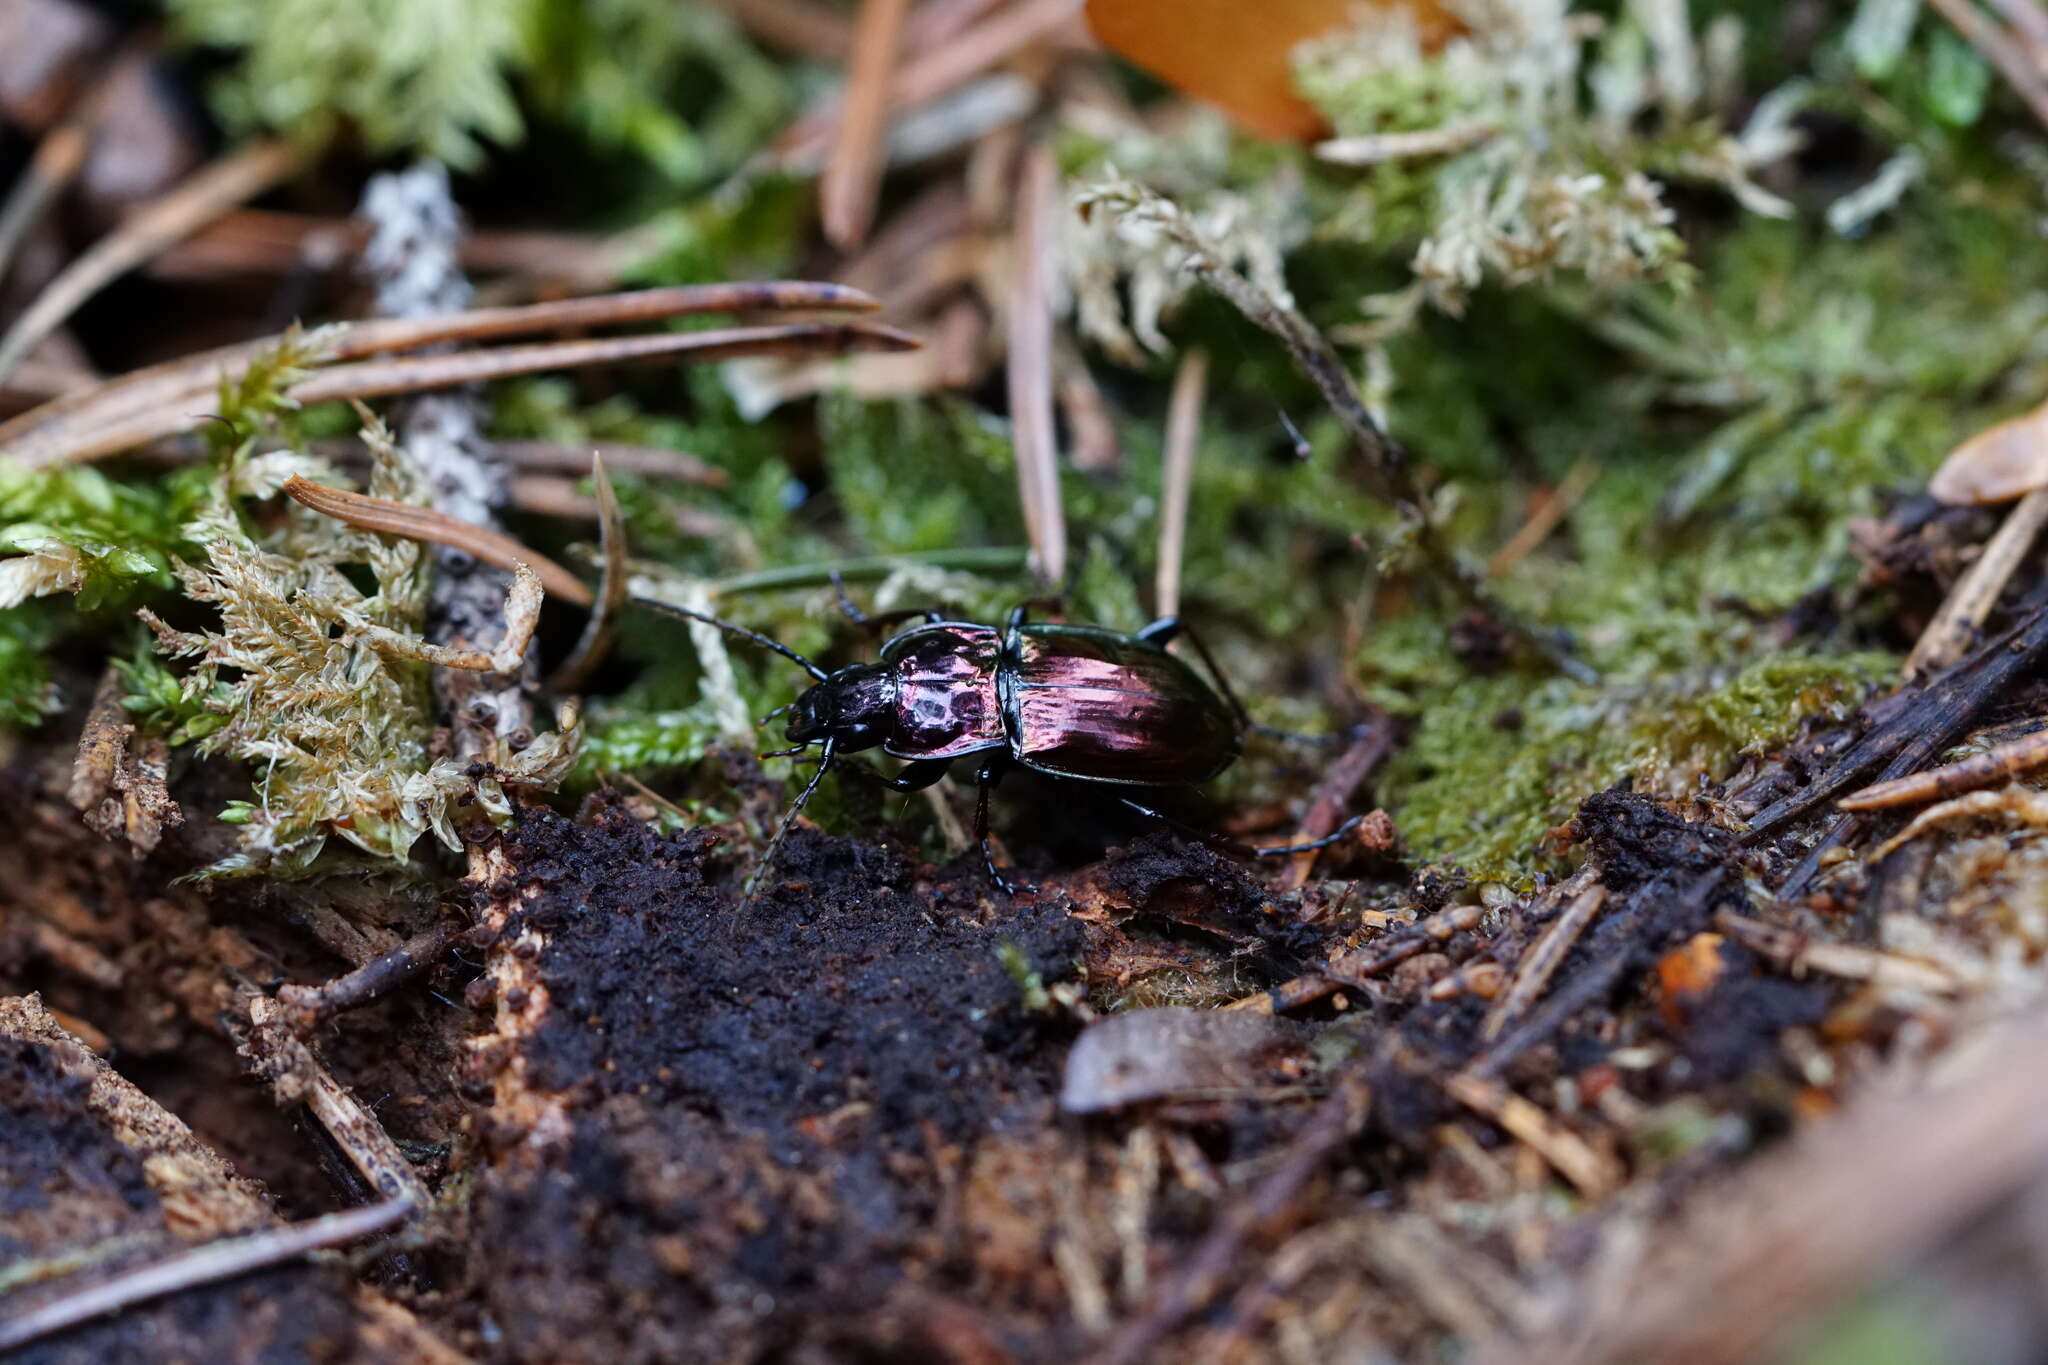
<point>781,830</point>
<point>671,609</point>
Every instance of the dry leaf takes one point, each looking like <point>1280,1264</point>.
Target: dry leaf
<point>1238,55</point>
<point>1998,464</point>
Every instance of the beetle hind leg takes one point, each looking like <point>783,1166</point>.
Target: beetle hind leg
<point>985,778</point>
<point>1237,848</point>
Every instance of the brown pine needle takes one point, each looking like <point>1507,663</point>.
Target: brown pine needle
<point>435,528</point>
<point>412,374</point>
<point>853,172</point>
<point>1030,367</point>
<point>1548,513</point>
<point>943,69</point>
<point>1542,960</point>
<point>1965,775</point>
<point>166,399</point>
<point>1594,1173</point>
<point>602,627</point>
<point>188,206</point>
<point>209,1263</point>
<point>1183,432</point>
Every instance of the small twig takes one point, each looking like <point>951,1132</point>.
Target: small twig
<point>797,26</point>
<point>1953,779</point>
<point>603,625</point>
<point>297,1076</point>
<point>1360,964</point>
<point>1594,1173</point>
<point>853,172</point>
<point>1545,517</point>
<point>1798,953</point>
<point>943,68</point>
<point>1540,963</point>
<point>1375,149</point>
<point>1953,630</point>
<point>435,528</point>
<point>1176,475</point>
<point>58,158</point>
<point>210,1263</point>
<point>309,1005</point>
<point>1030,364</point>
<point>1202,1275</point>
<point>187,206</point>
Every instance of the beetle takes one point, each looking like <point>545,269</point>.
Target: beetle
<point>1081,703</point>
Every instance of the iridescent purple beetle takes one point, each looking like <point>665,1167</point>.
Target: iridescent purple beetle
<point>1081,703</point>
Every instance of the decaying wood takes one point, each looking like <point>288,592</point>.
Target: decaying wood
<point>118,781</point>
<point>1920,723</point>
<point>1758,1254</point>
<point>296,1076</point>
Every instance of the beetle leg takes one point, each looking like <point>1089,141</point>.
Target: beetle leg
<point>782,830</point>
<point>985,778</point>
<point>1170,628</point>
<point>1224,844</point>
<point>875,625</point>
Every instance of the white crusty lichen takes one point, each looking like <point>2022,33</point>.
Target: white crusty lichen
<point>321,683</point>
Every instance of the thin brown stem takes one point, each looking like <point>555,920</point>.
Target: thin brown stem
<point>187,207</point>
<point>1030,365</point>
<point>603,625</point>
<point>209,1263</point>
<point>1177,474</point>
<point>853,171</point>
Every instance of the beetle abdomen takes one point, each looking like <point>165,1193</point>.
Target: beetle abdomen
<point>945,691</point>
<point>1093,704</point>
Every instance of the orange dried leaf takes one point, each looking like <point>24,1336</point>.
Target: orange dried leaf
<point>1998,464</point>
<point>1687,973</point>
<point>1239,55</point>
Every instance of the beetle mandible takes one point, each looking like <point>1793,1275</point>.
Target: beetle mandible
<point>1081,703</point>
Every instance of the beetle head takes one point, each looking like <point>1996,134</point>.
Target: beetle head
<point>855,706</point>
